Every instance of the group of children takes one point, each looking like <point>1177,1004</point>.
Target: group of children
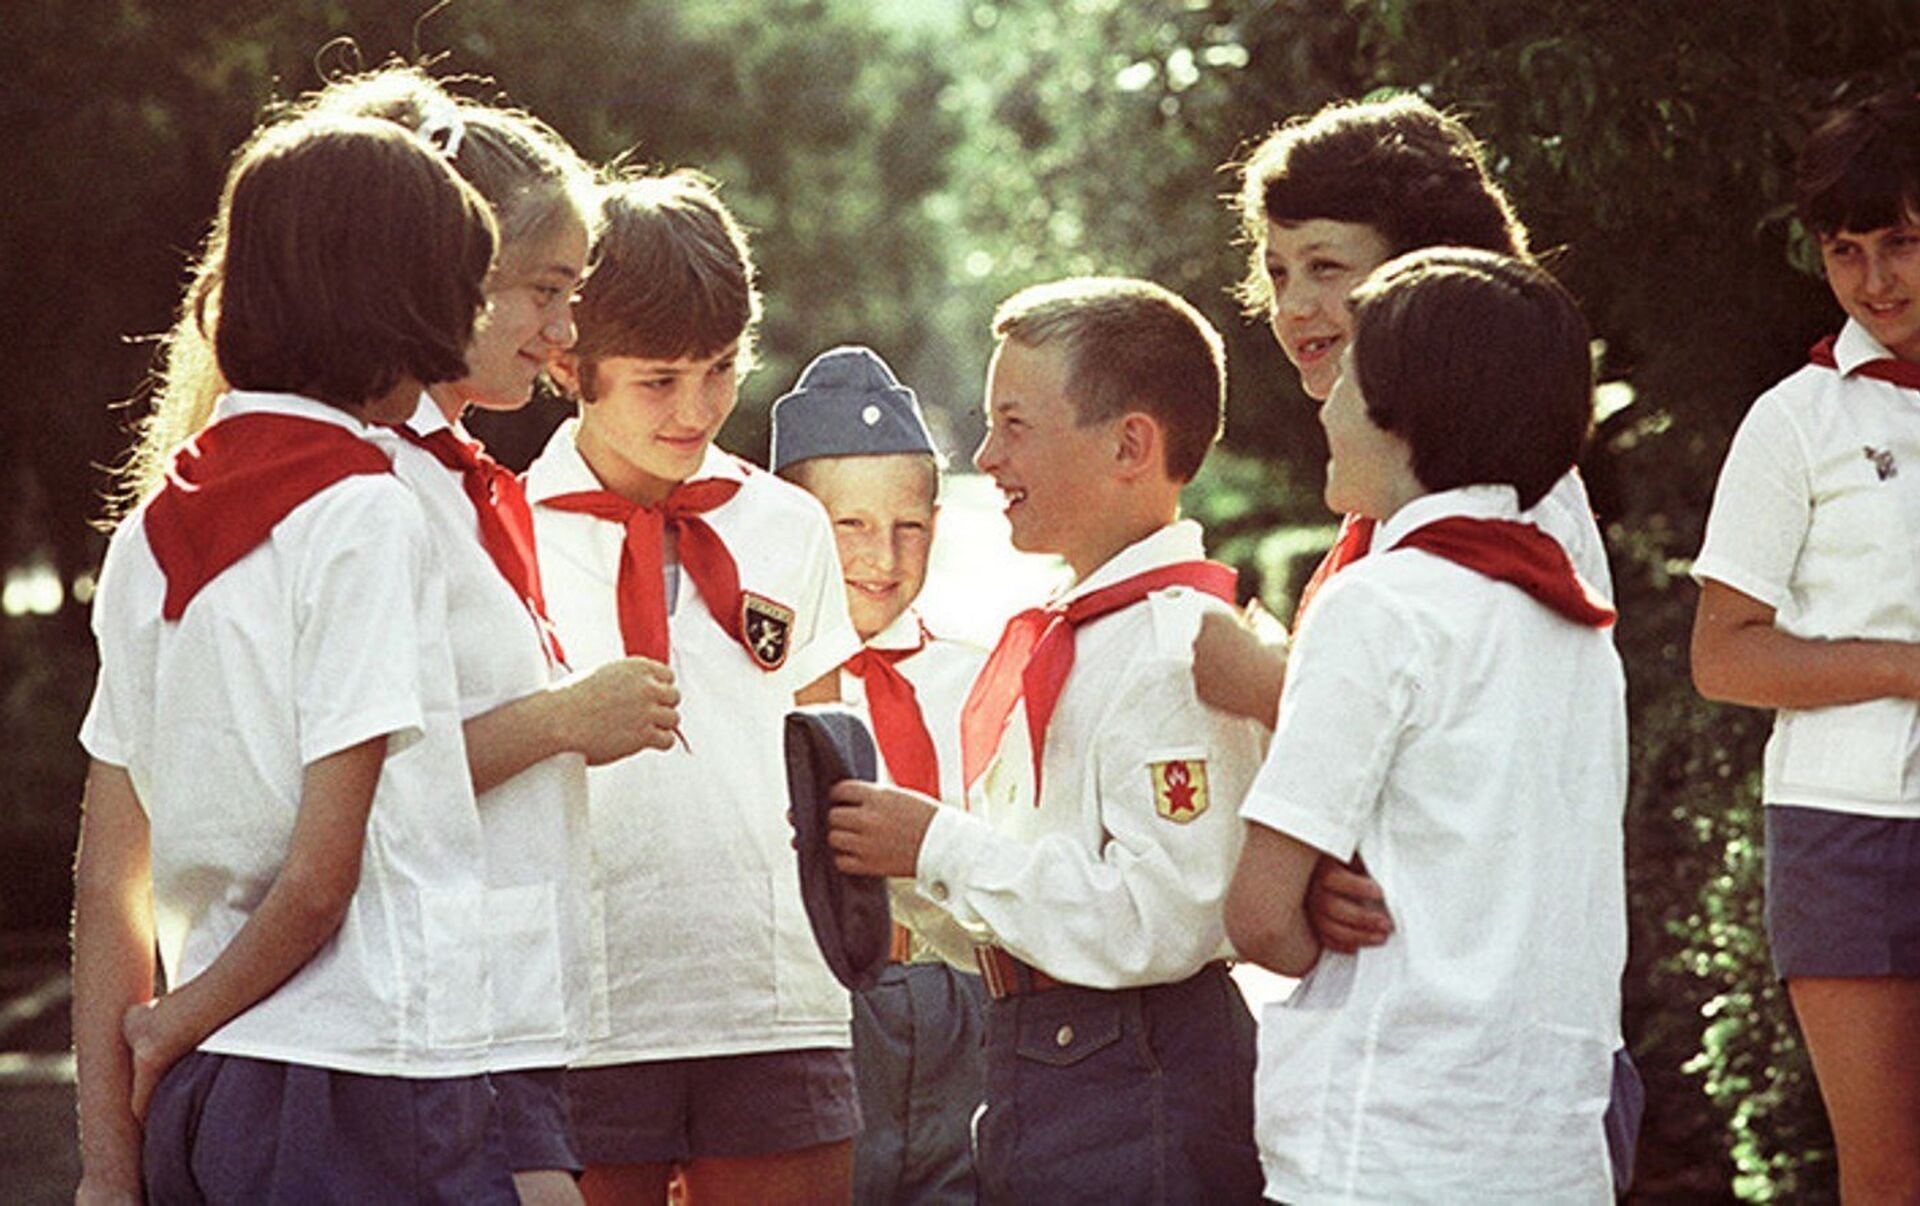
<point>453,802</point>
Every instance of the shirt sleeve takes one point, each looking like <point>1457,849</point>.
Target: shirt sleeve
<point>102,733</point>
<point>823,635</point>
<point>1350,690</point>
<point>1145,907</point>
<point>1762,507</point>
<point>360,598</point>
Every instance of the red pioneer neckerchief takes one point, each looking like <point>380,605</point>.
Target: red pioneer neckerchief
<point>229,486</point>
<point>1518,553</point>
<point>506,521</point>
<point>1035,655</point>
<point>898,725</point>
<point>1355,538</point>
<point>642,582</point>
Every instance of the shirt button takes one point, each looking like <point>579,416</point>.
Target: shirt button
<point>1064,1037</point>
<point>937,890</point>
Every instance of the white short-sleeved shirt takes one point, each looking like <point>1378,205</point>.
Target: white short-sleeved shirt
<point>535,824</point>
<point>1817,515</point>
<point>330,633</point>
<point>1471,745</point>
<point>1566,514</point>
<point>940,672</point>
<point>699,944</point>
<point>1108,881</point>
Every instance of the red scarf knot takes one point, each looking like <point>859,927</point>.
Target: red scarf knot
<point>642,588</point>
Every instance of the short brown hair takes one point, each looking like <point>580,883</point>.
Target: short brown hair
<point>1397,164</point>
<point>673,278</point>
<point>352,257</point>
<point>1480,362</point>
<point>1130,345</point>
<point>1860,168</point>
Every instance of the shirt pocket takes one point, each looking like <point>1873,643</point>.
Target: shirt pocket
<point>1856,752</point>
<point>458,1000</point>
<point>523,948</point>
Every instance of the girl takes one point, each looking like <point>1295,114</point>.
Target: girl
<point>528,745</point>
<point>277,796</point>
<point>1807,586</point>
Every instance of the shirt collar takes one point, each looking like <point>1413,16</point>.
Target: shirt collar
<point>560,469</point>
<point>427,417</point>
<point>255,402</point>
<point>1471,502</point>
<point>1856,347</point>
<point>1177,541</point>
<point>903,633</point>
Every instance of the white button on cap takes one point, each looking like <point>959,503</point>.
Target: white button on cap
<point>1064,1037</point>
<point>870,415</point>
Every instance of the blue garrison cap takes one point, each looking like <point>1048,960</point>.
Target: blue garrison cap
<point>847,403</point>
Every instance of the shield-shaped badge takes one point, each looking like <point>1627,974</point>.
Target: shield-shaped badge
<point>1179,788</point>
<point>765,627</point>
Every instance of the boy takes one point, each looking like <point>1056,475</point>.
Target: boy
<point>853,437</point>
<point>1094,857</point>
<point>278,799</point>
<point>1468,739</point>
<point>718,1039</point>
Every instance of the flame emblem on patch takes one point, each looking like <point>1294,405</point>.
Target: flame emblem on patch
<point>1179,788</point>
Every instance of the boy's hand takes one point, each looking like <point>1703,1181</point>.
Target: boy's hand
<point>155,1047</point>
<point>877,830</point>
<point>1346,907</point>
<point>1236,671</point>
<point>621,708</point>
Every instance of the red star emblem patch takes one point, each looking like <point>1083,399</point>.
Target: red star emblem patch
<point>1179,788</point>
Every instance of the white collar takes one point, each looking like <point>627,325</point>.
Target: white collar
<point>1472,502</point>
<point>1178,541</point>
<point>255,402</point>
<point>904,633</point>
<point>428,418</point>
<point>1856,347</point>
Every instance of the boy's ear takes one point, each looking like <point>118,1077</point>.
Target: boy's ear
<point>564,368</point>
<point>1140,446</point>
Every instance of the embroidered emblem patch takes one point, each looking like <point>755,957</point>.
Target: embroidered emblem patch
<point>765,627</point>
<point>1882,461</point>
<point>1179,788</point>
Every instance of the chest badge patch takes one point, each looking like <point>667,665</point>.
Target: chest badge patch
<point>765,629</point>
<point>1179,788</point>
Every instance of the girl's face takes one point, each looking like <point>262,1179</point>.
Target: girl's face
<point>1369,469</point>
<point>528,318</point>
<point>1875,276</point>
<point>651,421</point>
<point>1312,266</point>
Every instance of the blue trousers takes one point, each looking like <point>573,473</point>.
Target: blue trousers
<point>1137,1095</point>
<point>918,1064</point>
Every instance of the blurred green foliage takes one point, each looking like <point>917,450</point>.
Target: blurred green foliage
<point>906,164</point>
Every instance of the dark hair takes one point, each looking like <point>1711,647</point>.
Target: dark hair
<point>1130,345</point>
<point>1480,362</point>
<point>352,257</point>
<point>1860,168</point>
<point>530,176</point>
<point>673,278</point>
<point>1397,164</point>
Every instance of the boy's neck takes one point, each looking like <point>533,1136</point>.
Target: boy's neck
<point>1105,541</point>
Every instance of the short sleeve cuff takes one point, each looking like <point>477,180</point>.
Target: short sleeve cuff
<point>1273,812</point>
<point>400,724</point>
<point>1748,582</point>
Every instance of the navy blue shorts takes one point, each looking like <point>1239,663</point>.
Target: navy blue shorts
<point>1843,893</point>
<point>1136,1095</point>
<point>723,1105</point>
<point>533,1119</point>
<point>225,1128</point>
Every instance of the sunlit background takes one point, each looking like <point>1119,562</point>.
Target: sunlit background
<point>904,166</point>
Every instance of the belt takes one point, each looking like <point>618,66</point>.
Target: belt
<point>902,949</point>
<point>1006,976</point>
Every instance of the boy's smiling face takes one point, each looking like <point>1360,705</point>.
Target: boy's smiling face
<point>1875,276</point>
<point>882,508</point>
<point>1051,468</point>
<point>651,422</point>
